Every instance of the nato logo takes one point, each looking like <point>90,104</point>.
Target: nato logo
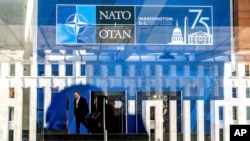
<point>75,24</point>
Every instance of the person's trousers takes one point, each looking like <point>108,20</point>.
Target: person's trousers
<point>80,119</point>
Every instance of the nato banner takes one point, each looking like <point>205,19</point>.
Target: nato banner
<point>167,25</point>
<point>79,24</point>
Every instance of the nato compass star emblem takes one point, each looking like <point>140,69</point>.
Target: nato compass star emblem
<point>76,24</point>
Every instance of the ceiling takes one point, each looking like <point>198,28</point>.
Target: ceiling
<point>12,27</point>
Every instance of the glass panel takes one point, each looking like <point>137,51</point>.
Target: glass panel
<point>221,113</point>
<point>173,34</point>
<point>207,70</point>
<point>125,70</point>
<point>193,70</point>
<point>235,111</point>
<point>11,92</point>
<point>40,110</point>
<point>40,70</point>
<point>247,92</point>
<point>25,135</point>
<point>55,68</point>
<point>97,70</point>
<point>180,70</point>
<point>247,70</point>
<point>248,112</point>
<point>11,113</point>
<point>166,70</point>
<point>111,70</point>
<point>26,70</point>
<point>12,69</point>
<point>83,71</point>
<point>69,69</point>
<point>11,135</point>
<point>26,109</point>
<point>152,113</point>
<point>234,93</point>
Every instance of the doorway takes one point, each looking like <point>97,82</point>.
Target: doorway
<point>114,104</point>
<point>148,105</point>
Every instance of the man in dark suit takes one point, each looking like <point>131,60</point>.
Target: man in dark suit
<point>80,111</point>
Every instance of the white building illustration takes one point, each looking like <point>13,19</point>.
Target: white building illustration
<point>177,37</point>
<point>194,38</point>
<point>200,38</point>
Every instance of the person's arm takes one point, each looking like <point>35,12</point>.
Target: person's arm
<point>84,105</point>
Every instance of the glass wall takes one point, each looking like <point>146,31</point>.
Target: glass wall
<point>166,69</point>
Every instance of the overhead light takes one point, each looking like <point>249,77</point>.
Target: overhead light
<point>187,53</point>
<point>166,55</point>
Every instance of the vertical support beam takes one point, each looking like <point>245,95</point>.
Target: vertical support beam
<point>227,121</point>
<point>157,122</point>
<point>241,115</point>
<point>47,101</point>
<point>33,107</point>
<point>173,120</point>
<point>215,123</point>
<point>18,111</point>
<point>146,118</point>
<point>4,111</point>
<point>62,68</point>
<point>200,120</point>
<point>77,68</point>
<point>47,69</point>
<point>186,121</point>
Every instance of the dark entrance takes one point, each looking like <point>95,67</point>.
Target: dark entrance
<point>114,103</point>
<point>165,98</point>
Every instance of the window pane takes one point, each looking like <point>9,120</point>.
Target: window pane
<point>40,70</point>
<point>207,70</point>
<point>11,135</point>
<point>246,70</point>
<point>180,70</point>
<point>234,92</point>
<point>139,70</point>
<point>152,70</point>
<point>11,113</point>
<point>40,105</point>
<point>166,70</point>
<point>193,70</point>
<point>235,113</point>
<point>40,98</point>
<point>69,69</point>
<point>247,92</point>
<point>111,70</point>
<point>221,111</point>
<point>83,73</point>
<point>248,112</point>
<point>55,69</point>
<point>125,70</point>
<point>26,70</point>
<point>97,70</point>
<point>11,93</point>
<point>12,70</point>
<point>193,91</point>
<point>152,113</point>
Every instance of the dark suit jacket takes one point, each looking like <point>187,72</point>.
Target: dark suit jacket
<point>82,109</point>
